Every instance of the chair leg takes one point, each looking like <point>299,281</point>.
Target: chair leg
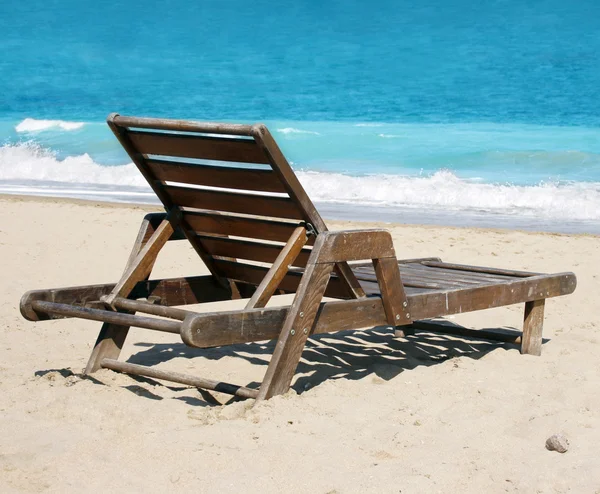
<point>108,345</point>
<point>533,323</point>
<point>112,337</point>
<point>296,328</point>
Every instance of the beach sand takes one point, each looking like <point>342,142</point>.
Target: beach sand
<point>368,413</point>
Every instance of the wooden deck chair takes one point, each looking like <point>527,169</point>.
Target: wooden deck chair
<point>230,192</point>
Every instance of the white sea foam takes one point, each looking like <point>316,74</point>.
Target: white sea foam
<point>29,163</point>
<point>292,130</point>
<point>33,125</point>
<point>389,136</point>
<point>444,191</point>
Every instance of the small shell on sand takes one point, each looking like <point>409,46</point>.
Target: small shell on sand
<point>557,442</point>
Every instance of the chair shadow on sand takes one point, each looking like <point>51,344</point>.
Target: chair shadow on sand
<point>350,355</point>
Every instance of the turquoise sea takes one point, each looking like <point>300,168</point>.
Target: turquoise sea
<point>448,112</point>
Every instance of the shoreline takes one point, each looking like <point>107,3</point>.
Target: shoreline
<point>327,217</point>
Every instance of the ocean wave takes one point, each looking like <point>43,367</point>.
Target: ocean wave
<point>445,191</point>
<point>34,125</point>
<point>440,191</point>
<point>30,161</point>
<point>292,130</point>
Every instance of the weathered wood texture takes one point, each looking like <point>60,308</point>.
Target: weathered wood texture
<point>233,202</point>
<point>117,318</point>
<point>216,176</point>
<point>158,152</point>
<point>253,274</point>
<point>149,308</point>
<point>140,266</point>
<point>171,291</point>
<point>240,226</point>
<point>113,333</point>
<point>532,327</point>
<point>225,328</point>
<point>197,382</point>
<point>286,258</point>
<point>282,168</point>
<point>252,250</point>
<point>213,184</point>
<point>238,150</point>
<point>393,296</point>
<point>109,344</point>
<point>294,333</point>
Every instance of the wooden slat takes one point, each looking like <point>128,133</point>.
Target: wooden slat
<point>249,250</point>
<point>412,281</point>
<point>229,177</point>
<point>455,275</point>
<point>225,328</point>
<point>241,226</point>
<point>180,125</point>
<point>198,147</point>
<point>480,269</point>
<point>253,275</point>
<point>412,273</point>
<point>275,207</point>
<point>447,277</point>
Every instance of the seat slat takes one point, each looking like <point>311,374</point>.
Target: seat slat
<point>480,269</point>
<point>198,146</point>
<point>453,275</point>
<point>244,249</point>
<point>240,226</point>
<point>276,207</point>
<point>216,176</point>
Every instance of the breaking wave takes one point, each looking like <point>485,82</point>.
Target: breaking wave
<point>440,191</point>
<point>292,130</point>
<point>34,125</point>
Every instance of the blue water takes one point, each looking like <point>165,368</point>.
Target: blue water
<point>449,112</point>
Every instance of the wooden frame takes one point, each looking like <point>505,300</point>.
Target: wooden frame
<point>380,292</point>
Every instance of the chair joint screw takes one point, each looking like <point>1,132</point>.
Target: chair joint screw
<point>407,315</point>
<point>293,332</point>
<point>305,330</point>
<point>405,304</point>
<point>301,314</point>
<point>397,316</point>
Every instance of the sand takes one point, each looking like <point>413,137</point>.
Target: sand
<point>368,413</point>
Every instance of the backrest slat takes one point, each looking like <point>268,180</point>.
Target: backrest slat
<point>280,207</point>
<point>226,180</point>
<point>249,250</point>
<point>240,226</point>
<point>248,273</point>
<point>230,177</point>
<point>199,147</point>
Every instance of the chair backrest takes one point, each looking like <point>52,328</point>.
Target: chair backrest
<point>238,197</point>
